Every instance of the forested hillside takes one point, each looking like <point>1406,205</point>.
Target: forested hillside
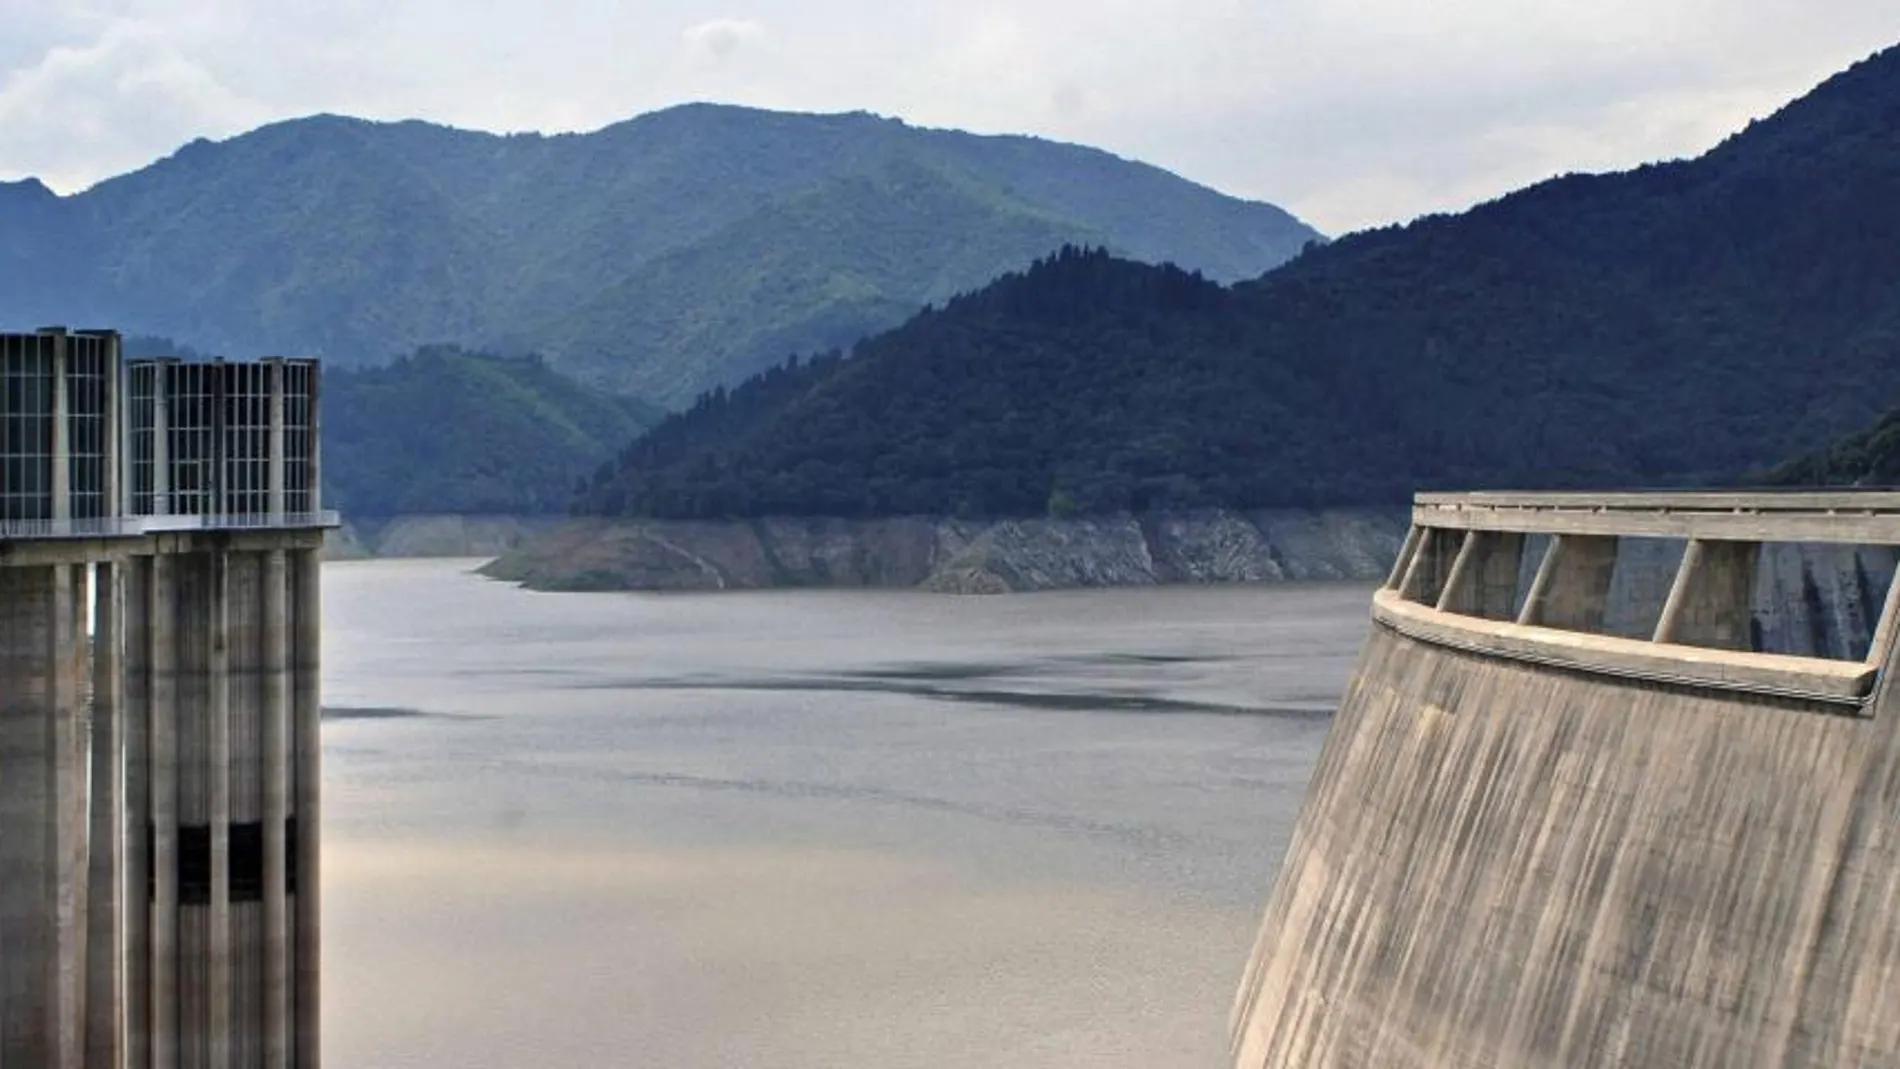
<point>1870,457</point>
<point>449,431</point>
<point>1674,324</point>
<point>445,430</point>
<point>659,256</point>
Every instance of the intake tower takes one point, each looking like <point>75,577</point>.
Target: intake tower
<point>160,529</point>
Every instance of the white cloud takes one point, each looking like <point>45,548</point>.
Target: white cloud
<point>1349,112</point>
<point>84,111</point>
<point>719,38</point>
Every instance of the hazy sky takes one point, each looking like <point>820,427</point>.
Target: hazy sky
<point>1347,112</point>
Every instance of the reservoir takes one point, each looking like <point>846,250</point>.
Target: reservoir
<point>806,829</point>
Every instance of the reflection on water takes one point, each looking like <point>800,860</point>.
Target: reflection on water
<point>371,712</point>
<point>806,828</point>
<point>928,683</point>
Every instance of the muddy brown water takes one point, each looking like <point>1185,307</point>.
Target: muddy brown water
<point>806,829</point>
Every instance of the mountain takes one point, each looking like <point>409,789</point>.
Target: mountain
<point>444,430</point>
<point>663,255</point>
<point>1866,458</point>
<point>33,219</point>
<point>1670,325</point>
<point>448,431</point>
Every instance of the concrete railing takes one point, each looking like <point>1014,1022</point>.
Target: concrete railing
<point>1870,517</point>
<point>140,526</point>
<point>1463,579</point>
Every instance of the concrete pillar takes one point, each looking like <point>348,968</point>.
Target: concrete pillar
<point>198,773</point>
<point>42,835</point>
<point>1404,562</point>
<point>217,767</point>
<point>27,699</point>
<point>164,809</point>
<point>1455,581</point>
<point>274,665</point>
<point>136,819</point>
<point>1712,600</point>
<point>1412,583</point>
<point>69,827</point>
<point>249,679</point>
<point>77,851</point>
<point>306,709</point>
<point>1483,578</point>
<point>198,958</point>
<point>1431,566</point>
<point>106,907</point>
<point>1572,586</point>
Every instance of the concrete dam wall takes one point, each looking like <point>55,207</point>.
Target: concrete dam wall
<point>1533,841</point>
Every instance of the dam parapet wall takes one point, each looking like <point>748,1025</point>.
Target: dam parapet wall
<point>1616,782</point>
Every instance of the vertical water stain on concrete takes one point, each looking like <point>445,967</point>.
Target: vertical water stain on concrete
<point>1504,865</point>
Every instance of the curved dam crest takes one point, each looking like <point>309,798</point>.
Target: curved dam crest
<point>1513,861</point>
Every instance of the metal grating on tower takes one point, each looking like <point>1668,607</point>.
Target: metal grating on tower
<point>57,392</point>
<point>222,439</point>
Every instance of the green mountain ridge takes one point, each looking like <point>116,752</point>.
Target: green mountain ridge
<point>1670,325</point>
<point>813,269</point>
<point>640,255</point>
<point>448,431</point>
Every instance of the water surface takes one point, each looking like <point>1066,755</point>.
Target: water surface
<point>805,829</point>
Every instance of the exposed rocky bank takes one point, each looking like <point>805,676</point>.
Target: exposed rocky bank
<point>432,536</point>
<point>958,556</point>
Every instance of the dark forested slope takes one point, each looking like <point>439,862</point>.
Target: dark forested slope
<point>1686,319</point>
<point>1672,324</point>
<point>1869,457</point>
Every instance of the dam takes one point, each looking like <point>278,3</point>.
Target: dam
<point>1607,788</point>
<point>159,701</point>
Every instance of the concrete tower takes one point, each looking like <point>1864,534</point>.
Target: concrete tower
<point>158,783</point>
<point>56,508</point>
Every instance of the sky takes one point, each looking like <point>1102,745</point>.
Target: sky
<point>1349,113</point>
